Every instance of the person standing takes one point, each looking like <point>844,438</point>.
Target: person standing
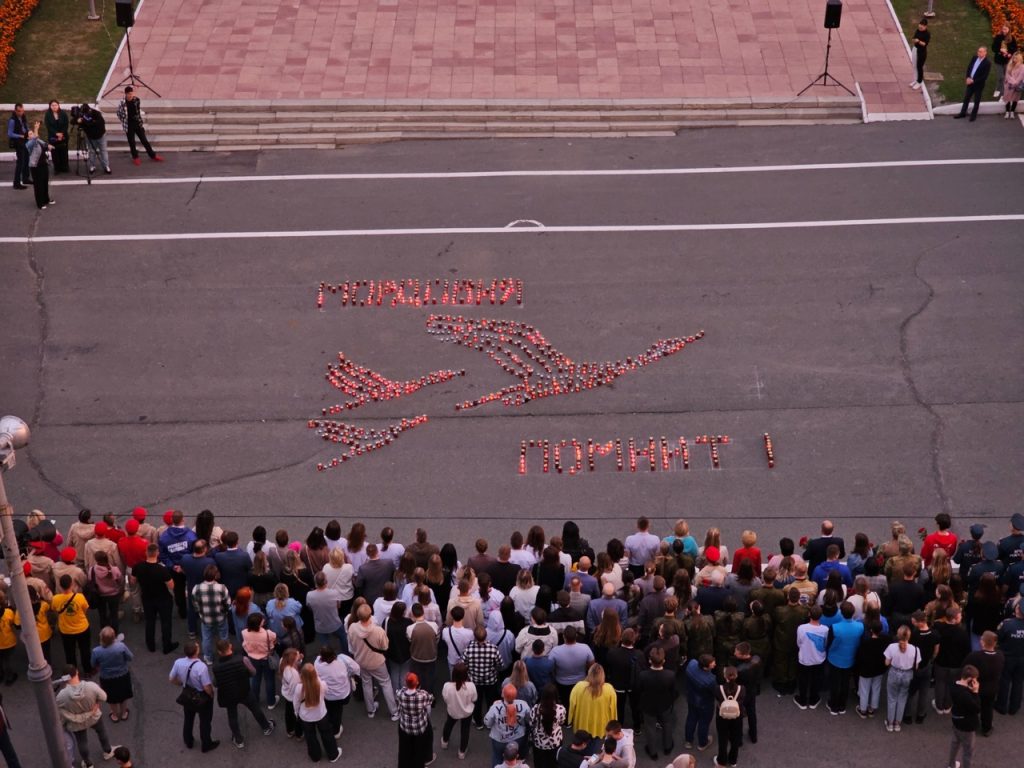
<point>902,659</point>
<point>192,672</point>
<point>6,747</point>
<point>94,125</point>
<point>1013,84</point>
<point>1011,640</point>
<point>17,138</point>
<point>336,672</point>
<point>309,700</point>
<point>508,720</point>
<point>57,135</point>
<point>700,700</point>
<point>729,717</point>
<point>156,588</point>
<point>111,657</point>
<point>920,42</point>
<point>1003,48</point>
<point>483,665</point>
<point>844,639</point>
<point>212,604</point>
<point>657,693</point>
<point>72,621</point>
<point>990,662</point>
<point>811,643</point>
<point>547,720</point>
<point>79,706</point>
<point>232,674</point>
<point>129,112</point>
<point>966,709</point>
<point>39,164</point>
<point>415,732</point>
<point>954,645</point>
<point>926,640</point>
<point>460,698</point>
<point>975,77</point>
<point>369,644</point>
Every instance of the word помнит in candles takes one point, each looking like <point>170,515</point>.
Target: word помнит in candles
<point>571,456</point>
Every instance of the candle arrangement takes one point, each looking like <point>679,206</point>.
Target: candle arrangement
<point>412,292</point>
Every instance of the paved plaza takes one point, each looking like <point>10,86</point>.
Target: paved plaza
<point>518,49</point>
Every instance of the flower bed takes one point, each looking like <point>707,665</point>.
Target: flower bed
<point>13,13</point>
<point>1010,12</point>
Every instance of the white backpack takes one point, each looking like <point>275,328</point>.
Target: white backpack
<point>729,709</point>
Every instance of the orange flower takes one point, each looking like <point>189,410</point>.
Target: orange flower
<point>13,14</point>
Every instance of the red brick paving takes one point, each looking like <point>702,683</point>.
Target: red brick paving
<point>486,49</point>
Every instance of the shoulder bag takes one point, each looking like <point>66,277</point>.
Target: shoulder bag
<point>192,698</point>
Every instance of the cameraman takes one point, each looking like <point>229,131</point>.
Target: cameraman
<point>90,121</point>
<point>17,137</point>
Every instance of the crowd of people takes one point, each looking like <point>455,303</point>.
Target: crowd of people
<point>564,654</point>
<point>38,152</point>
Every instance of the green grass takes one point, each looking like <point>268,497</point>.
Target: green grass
<point>59,54</point>
<point>958,29</point>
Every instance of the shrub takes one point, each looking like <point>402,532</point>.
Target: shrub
<point>13,14</point>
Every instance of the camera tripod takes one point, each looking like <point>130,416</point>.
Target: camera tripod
<point>131,78</point>
<point>82,146</point>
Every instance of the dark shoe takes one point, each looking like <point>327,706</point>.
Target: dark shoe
<point>189,744</point>
<point>959,117</point>
<point>908,720</point>
<point>20,186</point>
<point>151,648</point>
<point>972,118</point>
<point>211,746</point>
<point>919,719</point>
<point>171,648</point>
<point>987,733</point>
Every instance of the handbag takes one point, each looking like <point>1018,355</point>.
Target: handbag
<point>192,698</point>
<point>91,590</point>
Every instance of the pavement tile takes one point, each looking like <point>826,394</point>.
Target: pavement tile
<point>530,49</point>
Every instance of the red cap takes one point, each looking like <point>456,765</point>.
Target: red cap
<point>27,568</point>
<point>139,514</point>
<point>68,554</point>
<point>712,554</point>
<point>132,526</point>
<point>39,546</point>
<point>169,517</point>
<point>58,540</point>
<point>101,529</point>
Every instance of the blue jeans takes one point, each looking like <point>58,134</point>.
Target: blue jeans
<point>264,673</point>
<point>212,632</point>
<point>324,638</point>
<point>698,720</point>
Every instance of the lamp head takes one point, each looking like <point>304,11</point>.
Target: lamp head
<point>13,431</point>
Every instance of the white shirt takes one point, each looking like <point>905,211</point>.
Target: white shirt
<point>310,714</point>
<point>811,643</point>
<point>524,558</point>
<point>905,660</point>
<point>393,553</point>
<point>340,580</point>
<point>337,675</point>
<point>381,610</point>
<point>524,599</point>
<point>457,639</point>
<point>459,702</point>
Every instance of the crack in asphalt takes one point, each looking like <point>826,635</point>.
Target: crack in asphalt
<point>44,334</point>
<point>907,369</point>
<point>195,191</point>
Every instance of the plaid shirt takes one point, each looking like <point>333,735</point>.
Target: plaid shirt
<point>483,661</point>
<point>211,601</point>
<point>414,711</point>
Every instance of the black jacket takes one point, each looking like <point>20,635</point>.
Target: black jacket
<point>622,667</point>
<point>966,708</point>
<point>94,125</point>
<point>231,676</point>
<point>657,690</point>
<point>815,554</point>
<point>980,76</point>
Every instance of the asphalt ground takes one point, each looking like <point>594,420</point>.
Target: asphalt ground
<point>885,360</point>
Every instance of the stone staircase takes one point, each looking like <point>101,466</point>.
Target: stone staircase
<point>207,125</point>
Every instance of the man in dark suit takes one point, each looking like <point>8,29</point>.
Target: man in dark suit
<point>817,549</point>
<point>233,563</point>
<point>975,77</point>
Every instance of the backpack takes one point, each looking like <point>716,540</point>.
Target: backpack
<point>729,708</point>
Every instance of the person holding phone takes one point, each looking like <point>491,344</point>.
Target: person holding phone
<point>966,717</point>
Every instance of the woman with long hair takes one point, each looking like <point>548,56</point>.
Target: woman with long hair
<point>112,657</point>
<point>862,552</point>
<point>573,545</point>
<point>1013,82</point>
<point>512,620</point>
<point>439,580</point>
<point>861,596</point>
<point>241,608</point>
<point>207,530</point>
<point>355,546</point>
<point>315,551</point>
<point>405,570</point>
<point>984,609</point>
<point>607,635</point>
<point>535,541</point>
<point>730,731</point>
<point>341,578</point>
<point>519,676</point>
<point>261,580</point>
<point>592,702</point>
<point>283,605</point>
<point>713,538</point>
<point>742,581</point>
<point>524,593</point>
<point>309,699</point>
<point>459,697</point>
<point>508,720</point>
<point>398,656</point>
<point>546,723</point>
<point>299,580</point>
<point>938,572</point>
<point>549,571</point>
<point>288,669</point>
<point>902,659</point>
<point>259,642</point>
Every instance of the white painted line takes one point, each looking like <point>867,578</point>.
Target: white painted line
<point>553,173</point>
<point>570,229</point>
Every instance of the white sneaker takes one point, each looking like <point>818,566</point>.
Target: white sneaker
<point>341,730</point>
<point>109,755</point>
<point>995,95</point>
<point>916,86</point>
<point>444,744</point>
<point>912,83</point>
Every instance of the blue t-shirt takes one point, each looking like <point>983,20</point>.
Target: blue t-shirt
<point>196,671</point>
<point>112,660</point>
<point>846,635</point>
<point>540,669</point>
<point>571,662</point>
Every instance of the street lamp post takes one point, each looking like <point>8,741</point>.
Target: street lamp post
<point>14,434</point>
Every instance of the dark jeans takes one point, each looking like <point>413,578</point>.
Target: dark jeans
<point>205,715</point>
<point>82,739</point>
<point>730,737</point>
<point>291,723</point>
<point>1011,685</point>
<point>667,720</point>
<point>839,688</point>
<point>988,701</point>
<point>80,641</point>
<point>751,706</point>
<point>21,165</point>
<point>136,130</point>
<point>108,607</point>
<point>944,678</point>
<point>545,758</point>
<point>425,672</point>
<point>449,725</point>
<point>971,92</point>
<point>60,156</point>
<point>7,749</point>
<point>921,57</point>
<point>808,684</point>
<point>486,695</point>
<point>335,711</point>
<point>698,720</point>
<point>264,675</point>
<point>322,729</point>
<point>564,692</point>
<point>179,595</point>
<point>41,183</point>
<point>621,698</point>
<point>415,751</point>
<point>919,689</point>
<point>252,704</point>
<point>151,611</point>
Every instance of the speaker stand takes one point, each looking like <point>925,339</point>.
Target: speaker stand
<point>132,79</point>
<point>824,76</point>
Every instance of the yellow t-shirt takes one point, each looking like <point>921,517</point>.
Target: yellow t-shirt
<point>8,638</point>
<point>43,626</point>
<point>71,613</point>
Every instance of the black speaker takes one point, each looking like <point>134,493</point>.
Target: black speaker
<point>833,13</point>
<point>126,13</point>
